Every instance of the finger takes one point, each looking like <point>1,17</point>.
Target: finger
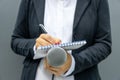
<point>55,72</point>
<point>58,71</point>
<point>51,39</point>
<point>42,42</point>
<point>54,68</point>
<point>57,40</point>
<point>37,45</point>
<point>48,38</point>
<point>45,64</point>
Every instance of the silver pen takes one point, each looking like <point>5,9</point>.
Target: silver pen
<point>43,28</point>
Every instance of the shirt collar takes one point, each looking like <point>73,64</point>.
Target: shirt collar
<point>65,2</point>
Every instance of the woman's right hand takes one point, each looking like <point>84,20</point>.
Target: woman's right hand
<point>46,39</point>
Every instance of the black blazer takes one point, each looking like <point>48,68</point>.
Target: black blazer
<point>91,23</point>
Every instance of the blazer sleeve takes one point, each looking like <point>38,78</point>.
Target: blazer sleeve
<point>102,45</point>
<point>21,43</point>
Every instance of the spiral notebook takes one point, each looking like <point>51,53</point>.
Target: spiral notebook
<point>41,51</point>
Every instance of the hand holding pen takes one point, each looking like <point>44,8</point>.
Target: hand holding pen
<point>46,39</point>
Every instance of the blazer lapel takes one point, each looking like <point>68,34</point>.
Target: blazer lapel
<point>39,8</point>
<point>80,9</point>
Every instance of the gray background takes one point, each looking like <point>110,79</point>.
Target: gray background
<point>11,64</point>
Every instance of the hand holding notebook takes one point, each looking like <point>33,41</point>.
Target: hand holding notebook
<point>67,46</point>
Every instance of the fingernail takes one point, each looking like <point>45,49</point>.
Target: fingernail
<point>55,43</point>
<point>58,42</point>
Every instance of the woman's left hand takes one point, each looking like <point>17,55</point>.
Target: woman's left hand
<point>61,69</point>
